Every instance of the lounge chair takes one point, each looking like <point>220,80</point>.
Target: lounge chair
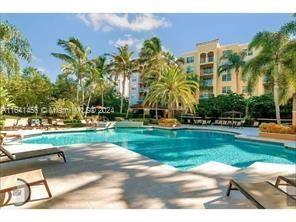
<point>209,122</point>
<point>265,195</point>
<point>256,124</point>
<point>216,122</point>
<point>204,122</point>
<point>31,178</point>
<point>27,151</point>
<point>45,123</point>
<point>35,123</point>
<point>10,123</point>
<point>60,122</point>
<point>23,123</point>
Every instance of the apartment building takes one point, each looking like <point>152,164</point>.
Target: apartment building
<point>205,60</point>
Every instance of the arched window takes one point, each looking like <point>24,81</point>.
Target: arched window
<point>210,56</point>
<point>203,57</point>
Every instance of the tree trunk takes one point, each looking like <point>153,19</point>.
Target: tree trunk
<point>87,106</point>
<point>102,97</point>
<point>156,111</point>
<point>237,75</point>
<point>276,93</point>
<point>294,110</point>
<point>122,94</point>
<point>126,116</point>
<point>276,101</point>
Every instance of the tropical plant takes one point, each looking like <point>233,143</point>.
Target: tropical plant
<point>269,61</point>
<point>152,59</point>
<point>65,109</point>
<point>289,78</point>
<point>172,90</point>
<point>5,100</point>
<point>13,46</point>
<point>123,65</point>
<point>232,61</point>
<point>75,62</point>
<point>97,78</point>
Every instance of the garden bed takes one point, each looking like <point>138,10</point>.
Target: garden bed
<point>279,136</point>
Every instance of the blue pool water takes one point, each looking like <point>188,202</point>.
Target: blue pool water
<point>182,149</point>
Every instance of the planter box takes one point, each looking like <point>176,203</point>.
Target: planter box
<point>278,136</point>
<point>169,124</point>
<point>129,124</point>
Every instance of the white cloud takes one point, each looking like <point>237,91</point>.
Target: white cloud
<point>129,40</point>
<point>137,22</point>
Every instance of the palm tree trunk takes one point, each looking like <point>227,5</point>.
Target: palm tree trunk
<point>156,111</point>
<point>87,106</point>
<point>122,94</point>
<point>102,98</point>
<point>237,75</point>
<point>276,93</point>
<point>294,110</point>
<point>276,101</point>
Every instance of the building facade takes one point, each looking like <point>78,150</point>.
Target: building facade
<point>205,61</point>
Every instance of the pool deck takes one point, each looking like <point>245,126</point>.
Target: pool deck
<point>104,175</point>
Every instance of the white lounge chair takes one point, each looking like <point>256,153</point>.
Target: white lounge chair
<point>27,151</point>
<point>10,123</point>
<point>23,122</point>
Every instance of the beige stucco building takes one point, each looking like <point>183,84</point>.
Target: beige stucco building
<point>205,60</point>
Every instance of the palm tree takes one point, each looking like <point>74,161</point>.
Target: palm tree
<point>99,70</point>
<point>172,89</point>
<point>289,89</point>
<point>234,61</point>
<point>151,60</point>
<point>269,61</point>
<point>123,65</point>
<point>288,79</point>
<point>76,63</point>
<point>13,46</point>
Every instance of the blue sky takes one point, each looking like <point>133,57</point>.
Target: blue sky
<point>102,32</point>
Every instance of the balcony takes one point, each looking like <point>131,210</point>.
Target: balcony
<point>207,83</point>
<point>206,96</point>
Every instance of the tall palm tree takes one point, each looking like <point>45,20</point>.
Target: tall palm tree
<point>233,61</point>
<point>76,63</point>
<point>13,46</point>
<point>151,60</point>
<point>269,61</point>
<point>288,79</point>
<point>123,65</point>
<point>173,90</point>
<point>289,89</point>
<point>97,80</point>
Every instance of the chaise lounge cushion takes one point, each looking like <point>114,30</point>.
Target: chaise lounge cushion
<point>23,151</point>
<point>268,195</point>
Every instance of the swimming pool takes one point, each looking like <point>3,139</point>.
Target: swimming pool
<point>183,149</point>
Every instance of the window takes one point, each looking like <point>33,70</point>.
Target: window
<point>207,70</point>
<point>190,69</point>
<point>190,59</point>
<point>226,89</point>
<point>226,77</point>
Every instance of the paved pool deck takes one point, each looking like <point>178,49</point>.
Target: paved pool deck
<point>104,175</point>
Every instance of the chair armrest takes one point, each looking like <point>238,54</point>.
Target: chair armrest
<point>289,182</point>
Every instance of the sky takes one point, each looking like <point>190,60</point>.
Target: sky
<point>104,32</point>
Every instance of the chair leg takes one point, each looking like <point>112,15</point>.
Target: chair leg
<point>229,188</point>
<point>47,188</point>
<point>63,156</point>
